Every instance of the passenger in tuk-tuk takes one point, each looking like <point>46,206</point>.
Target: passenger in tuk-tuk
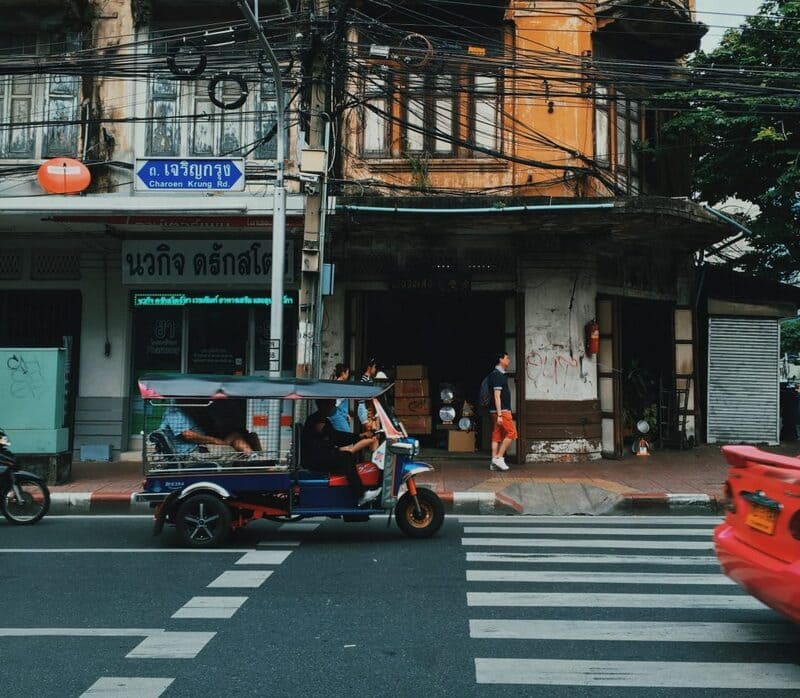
<point>183,423</point>
<point>328,450</point>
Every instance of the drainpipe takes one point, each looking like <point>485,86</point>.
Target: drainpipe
<point>728,219</point>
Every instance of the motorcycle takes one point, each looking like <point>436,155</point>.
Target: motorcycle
<point>24,497</point>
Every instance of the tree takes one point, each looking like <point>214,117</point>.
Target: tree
<point>741,121</point>
<point>790,336</point>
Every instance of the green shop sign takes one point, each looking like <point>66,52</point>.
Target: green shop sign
<point>180,300</point>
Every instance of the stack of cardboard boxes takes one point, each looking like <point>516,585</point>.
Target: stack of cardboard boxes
<point>412,400</point>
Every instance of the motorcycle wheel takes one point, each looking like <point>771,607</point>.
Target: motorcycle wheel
<point>203,521</point>
<point>32,506</point>
<point>428,523</point>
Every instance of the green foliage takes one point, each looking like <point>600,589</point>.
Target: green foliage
<point>790,336</point>
<point>743,135</point>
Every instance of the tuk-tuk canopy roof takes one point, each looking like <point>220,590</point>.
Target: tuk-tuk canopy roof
<point>216,387</point>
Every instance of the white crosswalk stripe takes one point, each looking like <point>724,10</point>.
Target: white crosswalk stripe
<point>554,597</point>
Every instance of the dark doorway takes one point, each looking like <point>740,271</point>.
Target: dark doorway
<point>454,336</point>
<point>646,362</point>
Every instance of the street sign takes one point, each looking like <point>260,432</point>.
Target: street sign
<point>274,354</point>
<point>190,174</point>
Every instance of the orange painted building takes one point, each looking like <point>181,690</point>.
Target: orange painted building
<point>494,193</point>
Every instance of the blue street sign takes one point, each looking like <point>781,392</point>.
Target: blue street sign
<point>190,174</point>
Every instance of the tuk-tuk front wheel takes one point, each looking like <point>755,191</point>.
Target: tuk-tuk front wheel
<point>422,523</point>
<point>203,521</point>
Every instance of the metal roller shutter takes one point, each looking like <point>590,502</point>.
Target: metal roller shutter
<point>743,380</point>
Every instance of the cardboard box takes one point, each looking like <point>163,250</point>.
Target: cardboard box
<point>412,388</point>
<point>417,425</point>
<point>411,372</point>
<point>461,441</point>
<point>405,406</point>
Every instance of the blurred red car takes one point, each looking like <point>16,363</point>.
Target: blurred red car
<point>758,544</point>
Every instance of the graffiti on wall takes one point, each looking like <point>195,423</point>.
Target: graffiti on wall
<point>26,380</point>
<point>547,368</point>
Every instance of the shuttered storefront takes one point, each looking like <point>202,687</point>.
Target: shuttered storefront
<point>743,380</point>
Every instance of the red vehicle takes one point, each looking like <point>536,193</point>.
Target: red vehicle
<point>758,544</point>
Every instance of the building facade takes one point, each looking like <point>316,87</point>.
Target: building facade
<point>491,189</point>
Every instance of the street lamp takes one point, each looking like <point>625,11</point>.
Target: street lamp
<point>278,225</point>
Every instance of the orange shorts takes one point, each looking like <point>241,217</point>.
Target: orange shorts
<point>505,428</point>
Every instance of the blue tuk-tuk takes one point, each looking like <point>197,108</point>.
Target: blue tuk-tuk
<point>207,492</point>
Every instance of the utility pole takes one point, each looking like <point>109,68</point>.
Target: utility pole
<point>308,354</point>
<point>278,229</point>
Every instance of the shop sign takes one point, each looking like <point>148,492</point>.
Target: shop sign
<point>190,174</point>
<point>201,262</point>
<point>435,283</point>
<point>181,300</point>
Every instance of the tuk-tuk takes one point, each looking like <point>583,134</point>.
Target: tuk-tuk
<point>209,492</point>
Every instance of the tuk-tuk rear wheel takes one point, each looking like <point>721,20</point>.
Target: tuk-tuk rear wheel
<point>203,521</point>
<point>421,524</point>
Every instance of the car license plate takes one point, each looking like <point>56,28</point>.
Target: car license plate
<point>761,519</point>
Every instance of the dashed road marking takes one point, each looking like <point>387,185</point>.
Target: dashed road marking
<point>171,645</point>
<point>210,607</point>
<point>264,557</point>
<point>565,559</point>
<point>118,686</point>
<point>249,579</point>
<point>589,530</point>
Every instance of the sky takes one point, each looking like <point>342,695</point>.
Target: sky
<point>731,15</point>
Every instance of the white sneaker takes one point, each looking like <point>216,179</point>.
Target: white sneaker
<point>369,495</point>
<point>498,463</point>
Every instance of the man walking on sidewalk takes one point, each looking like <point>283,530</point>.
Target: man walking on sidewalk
<point>504,430</point>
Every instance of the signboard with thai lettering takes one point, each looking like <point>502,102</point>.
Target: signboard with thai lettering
<point>189,174</point>
<point>178,263</point>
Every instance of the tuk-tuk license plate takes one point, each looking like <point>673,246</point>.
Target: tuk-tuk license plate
<point>761,519</point>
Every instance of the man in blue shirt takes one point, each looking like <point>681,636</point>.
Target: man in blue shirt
<point>187,434</point>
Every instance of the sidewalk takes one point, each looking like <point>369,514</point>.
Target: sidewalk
<point>666,480</point>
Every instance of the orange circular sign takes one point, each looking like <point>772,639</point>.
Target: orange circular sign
<point>63,176</point>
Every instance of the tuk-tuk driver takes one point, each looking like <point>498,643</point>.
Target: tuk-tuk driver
<point>328,450</point>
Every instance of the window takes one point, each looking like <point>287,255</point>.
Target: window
<point>617,149</point>
<point>486,112</point>
<point>437,114</point>
<point>602,133</point>
<point>429,109</point>
<point>26,99</point>
<point>375,123</point>
<point>211,131</point>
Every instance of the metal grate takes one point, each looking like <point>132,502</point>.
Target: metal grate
<point>743,380</point>
<point>56,264</point>
<point>10,264</point>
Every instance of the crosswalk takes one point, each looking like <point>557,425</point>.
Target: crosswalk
<point>616,602</point>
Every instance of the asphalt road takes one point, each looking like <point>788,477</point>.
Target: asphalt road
<point>490,607</point>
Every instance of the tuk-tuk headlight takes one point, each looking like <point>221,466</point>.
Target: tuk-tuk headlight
<point>401,448</point>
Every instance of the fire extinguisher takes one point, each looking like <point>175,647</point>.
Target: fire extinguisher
<point>592,337</point>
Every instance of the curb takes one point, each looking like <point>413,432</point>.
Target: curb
<point>667,501</point>
<point>83,503</point>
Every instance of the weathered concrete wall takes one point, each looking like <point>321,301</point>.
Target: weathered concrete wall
<point>561,415</point>
<point>555,363</point>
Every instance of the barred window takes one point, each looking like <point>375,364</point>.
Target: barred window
<point>26,99</point>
